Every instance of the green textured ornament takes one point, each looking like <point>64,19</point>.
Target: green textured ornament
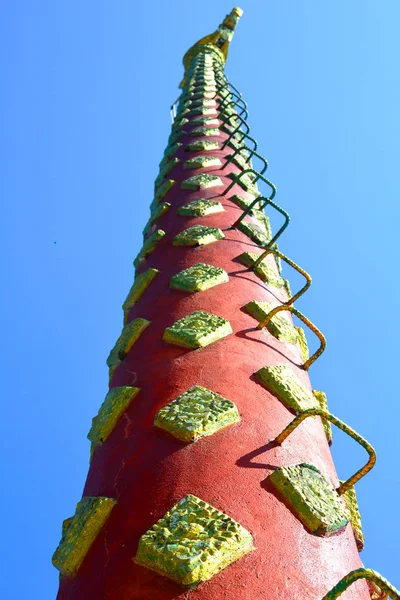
<point>203,111</point>
<point>196,413</point>
<point>140,285</point>
<point>201,102</point>
<point>264,271</point>
<point>170,151</point>
<point>323,403</point>
<point>312,498</point>
<point>205,121</point>
<point>245,182</point>
<point>159,211</point>
<point>198,235</point>
<point>115,404</point>
<point>200,131</point>
<point>203,181</point>
<point>281,381</point>
<point>199,278</point>
<point>303,343</point>
<point>80,531</point>
<point>129,335</point>
<point>279,326</point>
<point>163,190</point>
<point>179,123</point>
<point>350,498</point>
<point>254,232</point>
<point>201,145</point>
<point>165,169</point>
<point>202,162</point>
<point>200,208</point>
<point>197,330</point>
<point>192,542</point>
<point>148,247</point>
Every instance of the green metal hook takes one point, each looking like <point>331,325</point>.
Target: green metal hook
<point>265,201</point>
<point>234,103</point>
<point>235,131</point>
<point>249,151</point>
<point>258,176</point>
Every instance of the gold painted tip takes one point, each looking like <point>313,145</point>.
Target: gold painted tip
<point>237,11</point>
<point>218,41</point>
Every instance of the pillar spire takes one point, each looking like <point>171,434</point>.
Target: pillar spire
<point>211,475</point>
<point>218,41</point>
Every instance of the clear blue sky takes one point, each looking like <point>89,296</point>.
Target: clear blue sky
<point>87,87</point>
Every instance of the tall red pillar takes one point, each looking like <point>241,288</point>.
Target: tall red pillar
<point>189,493</point>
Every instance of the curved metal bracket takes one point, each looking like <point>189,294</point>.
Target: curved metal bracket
<point>324,414</point>
<point>291,263</point>
<point>234,88</point>
<point>248,137</point>
<point>307,322</point>
<point>265,202</point>
<point>239,99</point>
<point>252,153</point>
<point>237,95</point>
<point>258,176</point>
<point>362,573</point>
<point>224,118</point>
<point>235,131</point>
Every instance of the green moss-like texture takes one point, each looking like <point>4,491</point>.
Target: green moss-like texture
<point>193,542</point>
<point>160,210</point>
<point>254,232</point>
<point>201,102</point>
<point>199,278</point>
<point>170,150</point>
<point>198,235</point>
<point>279,325</point>
<point>148,247</point>
<point>350,498</point>
<point>200,208</point>
<point>80,532</point>
<point>203,121</point>
<point>203,181</point>
<point>114,405</point>
<point>242,202</point>
<point>264,271</point>
<point>201,145</point>
<point>245,183</point>
<point>302,342</point>
<point>163,190</point>
<point>323,403</point>
<point>129,335</point>
<point>196,413</point>
<point>164,170</point>
<point>202,162</point>
<point>197,330</point>
<point>137,290</point>
<point>179,123</point>
<point>203,111</point>
<point>208,95</point>
<point>312,498</point>
<point>200,131</point>
<point>283,383</point>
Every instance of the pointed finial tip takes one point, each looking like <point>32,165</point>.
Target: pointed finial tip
<point>237,11</point>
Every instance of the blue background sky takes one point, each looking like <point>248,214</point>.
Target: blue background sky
<point>87,87</point>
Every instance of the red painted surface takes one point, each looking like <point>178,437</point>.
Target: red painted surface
<point>148,471</point>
